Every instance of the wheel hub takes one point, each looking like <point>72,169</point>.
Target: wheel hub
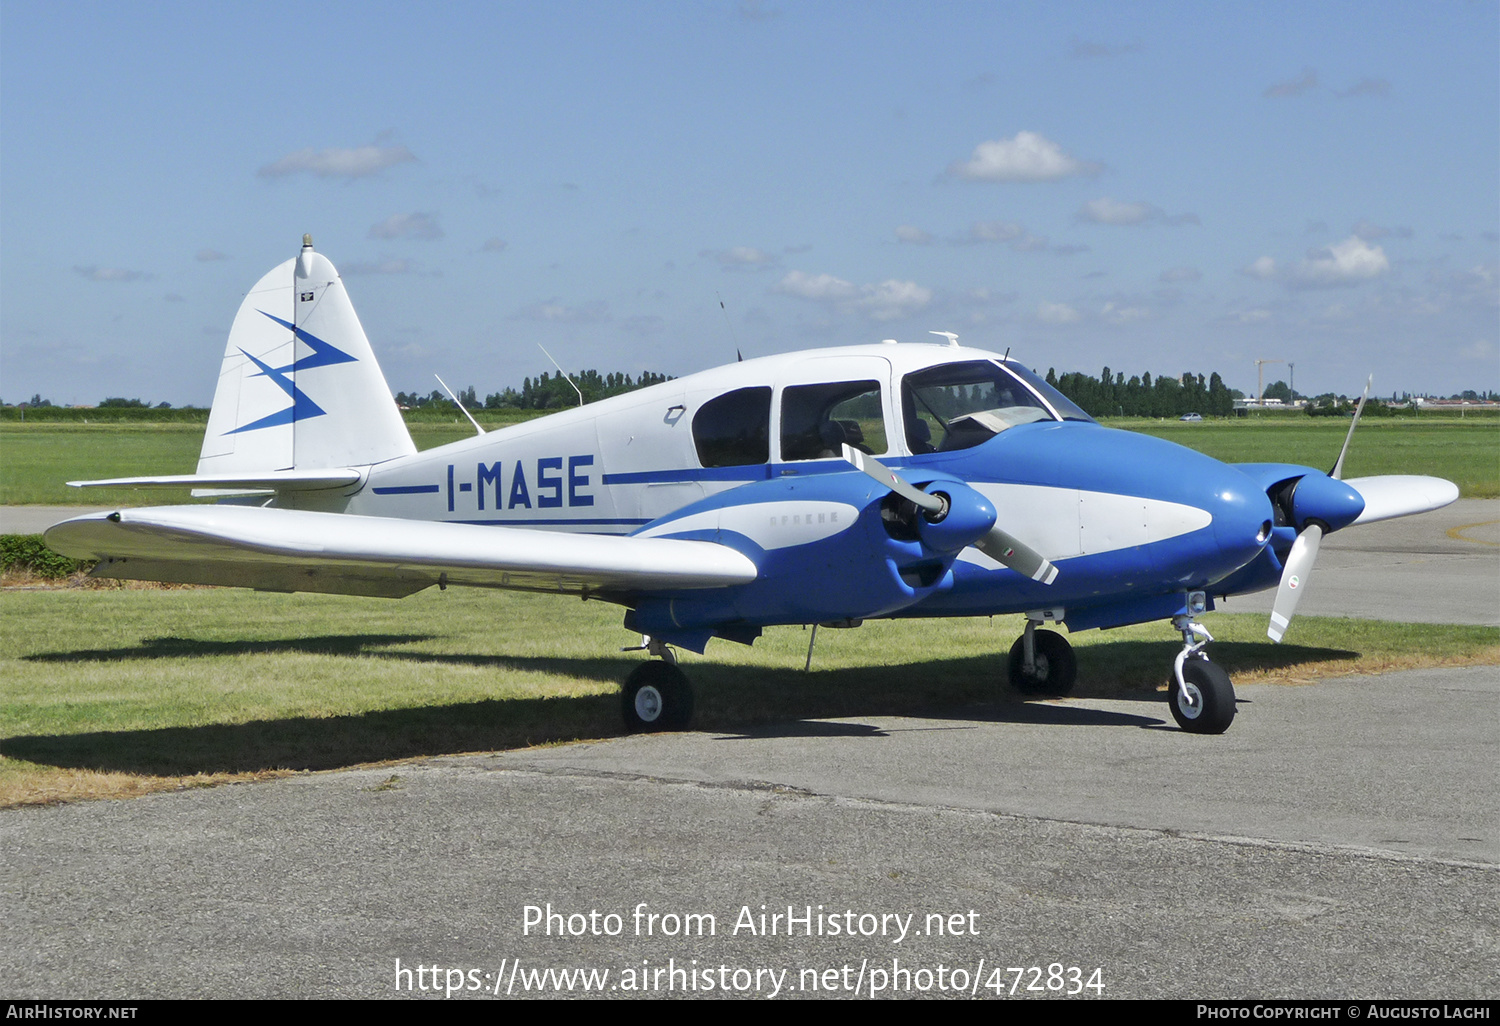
<point>1190,700</point>
<point>648,703</point>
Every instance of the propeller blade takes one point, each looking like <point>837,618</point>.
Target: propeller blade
<point>880,472</point>
<point>1398,495</point>
<point>1000,546</point>
<point>1294,575</point>
<point>1337,472</point>
<point>1020,557</point>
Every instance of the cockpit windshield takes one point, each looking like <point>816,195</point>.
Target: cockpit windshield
<point>959,405</point>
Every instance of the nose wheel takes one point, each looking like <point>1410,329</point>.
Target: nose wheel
<point>1201,695</point>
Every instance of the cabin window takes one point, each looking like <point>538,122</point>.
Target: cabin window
<point>959,405</point>
<point>734,430</point>
<point>816,420</point>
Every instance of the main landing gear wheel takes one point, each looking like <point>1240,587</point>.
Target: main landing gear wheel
<point>1054,667</point>
<point>657,696</point>
<point>1204,704</point>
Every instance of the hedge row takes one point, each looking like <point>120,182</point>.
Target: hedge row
<point>27,553</point>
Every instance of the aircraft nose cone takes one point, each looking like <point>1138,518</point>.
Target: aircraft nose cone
<point>1242,517</point>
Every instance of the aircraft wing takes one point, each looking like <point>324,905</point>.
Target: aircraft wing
<point>296,550</point>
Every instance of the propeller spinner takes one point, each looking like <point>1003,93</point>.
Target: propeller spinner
<point>957,517</point>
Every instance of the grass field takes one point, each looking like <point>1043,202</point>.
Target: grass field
<point>119,692</point>
<point>37,459</point>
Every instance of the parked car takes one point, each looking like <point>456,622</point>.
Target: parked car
<point>1190,416</point>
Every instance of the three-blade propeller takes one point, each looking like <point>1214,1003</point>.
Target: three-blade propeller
<point>994,542</point>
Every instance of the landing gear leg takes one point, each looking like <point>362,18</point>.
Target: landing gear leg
<point>657,695</point>
<point>1202,697</point>
<point>1042,662</point>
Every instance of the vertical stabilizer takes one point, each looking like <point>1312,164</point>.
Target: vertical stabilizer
<point>299,387</point>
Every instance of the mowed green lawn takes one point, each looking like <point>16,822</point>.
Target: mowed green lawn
<point>1465,450</point>
<point>117,692</point>
<point>37,459</point>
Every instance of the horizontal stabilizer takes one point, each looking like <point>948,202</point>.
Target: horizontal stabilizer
<point>296,550</point>
<point>271,480</point>
<point>1401,495</point>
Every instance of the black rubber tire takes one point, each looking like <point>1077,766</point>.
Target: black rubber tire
<point>656,696</point>
<point>1055,666</point>
<point>1208,708</point>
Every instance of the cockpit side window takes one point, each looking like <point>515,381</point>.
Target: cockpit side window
<point>816,420</point>
<point>959,405</point>
<point>734,429</point>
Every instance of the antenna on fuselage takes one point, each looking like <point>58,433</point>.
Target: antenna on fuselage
<point>457,402</point>
<point>950,336</point>
<point>738,358</point>
<point>562,372</point>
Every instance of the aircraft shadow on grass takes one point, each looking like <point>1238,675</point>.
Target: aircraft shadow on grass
<point>739,702</point>
<point>177,648</point>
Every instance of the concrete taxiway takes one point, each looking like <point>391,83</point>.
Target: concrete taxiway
<point>1342,840</point>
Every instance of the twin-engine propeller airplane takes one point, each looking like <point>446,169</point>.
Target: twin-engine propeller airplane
<point>823,487</point>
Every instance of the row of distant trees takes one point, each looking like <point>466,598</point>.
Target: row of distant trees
<point>112,403</point>
<point>1111,394</point>
<point>547,392</point>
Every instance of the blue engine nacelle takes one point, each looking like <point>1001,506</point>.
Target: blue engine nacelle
<point>829,546</point>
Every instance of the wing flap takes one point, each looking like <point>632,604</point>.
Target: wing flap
<point>298,550</point>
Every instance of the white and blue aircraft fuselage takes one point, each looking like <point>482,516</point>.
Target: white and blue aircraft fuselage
<point>832,486</point>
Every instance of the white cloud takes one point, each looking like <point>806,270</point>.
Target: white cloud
<point>887,301</point>
<point>95,273</point>
<point>1294,87</point>
<point>407,226</point>
<point>1014,235</point>
<point>892,299</point>
<point>558,312</point>
<point>354,162</point>
<point>911,233</point>
<point>1057,313</point>
<point>996,231</point>
<point>1263,268</point>
<point>1114,313</point>
<point>1173,275</point>
<point>821,288</point>
<point>1345,263</point>
<point>1028,157</point>
<point>741,258</point>
<point>1111,211</point>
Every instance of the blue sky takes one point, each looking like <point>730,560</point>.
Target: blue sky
<point>1153,187</point>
